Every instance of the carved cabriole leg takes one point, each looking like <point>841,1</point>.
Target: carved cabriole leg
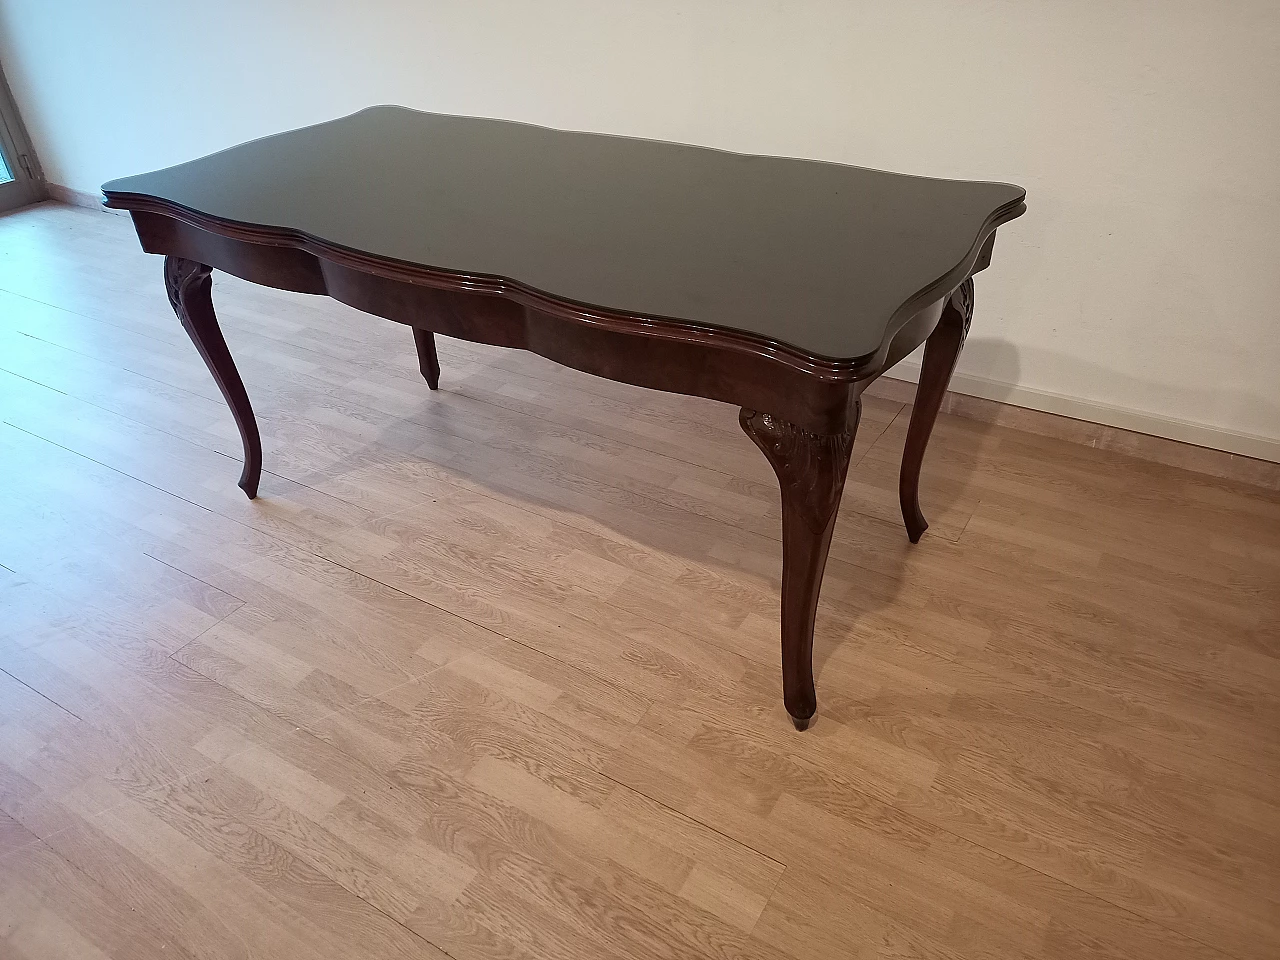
<point>941,352</point>
<point>811,469</point>
<point>190,292</point>
<point>428,363</point>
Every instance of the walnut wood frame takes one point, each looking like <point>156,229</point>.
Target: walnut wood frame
<point>808,405</point>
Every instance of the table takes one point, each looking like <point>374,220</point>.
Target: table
<point>782,286</point>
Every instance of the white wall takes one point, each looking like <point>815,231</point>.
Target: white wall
<point>1144,280</point>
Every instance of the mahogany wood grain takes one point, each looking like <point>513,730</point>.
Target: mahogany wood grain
<point>190,293</point>
<point>811,471</point>
<point>782,286</point>
<point>428,363</point>
<point>941,352</point>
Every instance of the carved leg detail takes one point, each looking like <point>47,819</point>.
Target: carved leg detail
<point>941,352</point>
<point>190,292</point>
<point>427,360</point>
<point>811,469</point>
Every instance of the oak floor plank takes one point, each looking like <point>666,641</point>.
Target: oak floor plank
<point>492,672</point>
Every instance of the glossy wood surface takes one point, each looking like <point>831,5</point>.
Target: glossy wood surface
<point>811,471</point>
<point>941,352</point>
<point>190,294</point>
<point>824,258</point>
<point>782,286</point>
<point>424,342</point>
<point>490,671</point>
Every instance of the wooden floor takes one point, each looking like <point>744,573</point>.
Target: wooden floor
<point>493,672</point>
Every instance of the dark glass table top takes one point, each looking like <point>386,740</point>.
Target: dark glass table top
<point>820,256</point>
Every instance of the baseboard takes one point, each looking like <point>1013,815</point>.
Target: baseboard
<point>1221,453</point>
<point>80,198</point>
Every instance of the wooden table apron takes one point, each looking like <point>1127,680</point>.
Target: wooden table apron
<point>800,411</point>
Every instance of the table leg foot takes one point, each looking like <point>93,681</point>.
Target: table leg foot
<point>811,470</point>
<point>428,362</point>
<point>941,352</point>
<point>191,294</point>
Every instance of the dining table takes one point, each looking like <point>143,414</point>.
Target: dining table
<point>782,286</point>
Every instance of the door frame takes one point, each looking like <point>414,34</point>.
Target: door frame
<point>28,183</point>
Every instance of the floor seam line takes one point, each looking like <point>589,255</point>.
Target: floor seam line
<point>173,655</point>
<point>44,696</point>
<point>694,820</point>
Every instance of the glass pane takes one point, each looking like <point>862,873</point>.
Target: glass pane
<point>5,175</point>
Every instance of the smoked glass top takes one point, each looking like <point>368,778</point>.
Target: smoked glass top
<point>816,255</point>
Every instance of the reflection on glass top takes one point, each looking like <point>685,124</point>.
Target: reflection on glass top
<point>821,256</point>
